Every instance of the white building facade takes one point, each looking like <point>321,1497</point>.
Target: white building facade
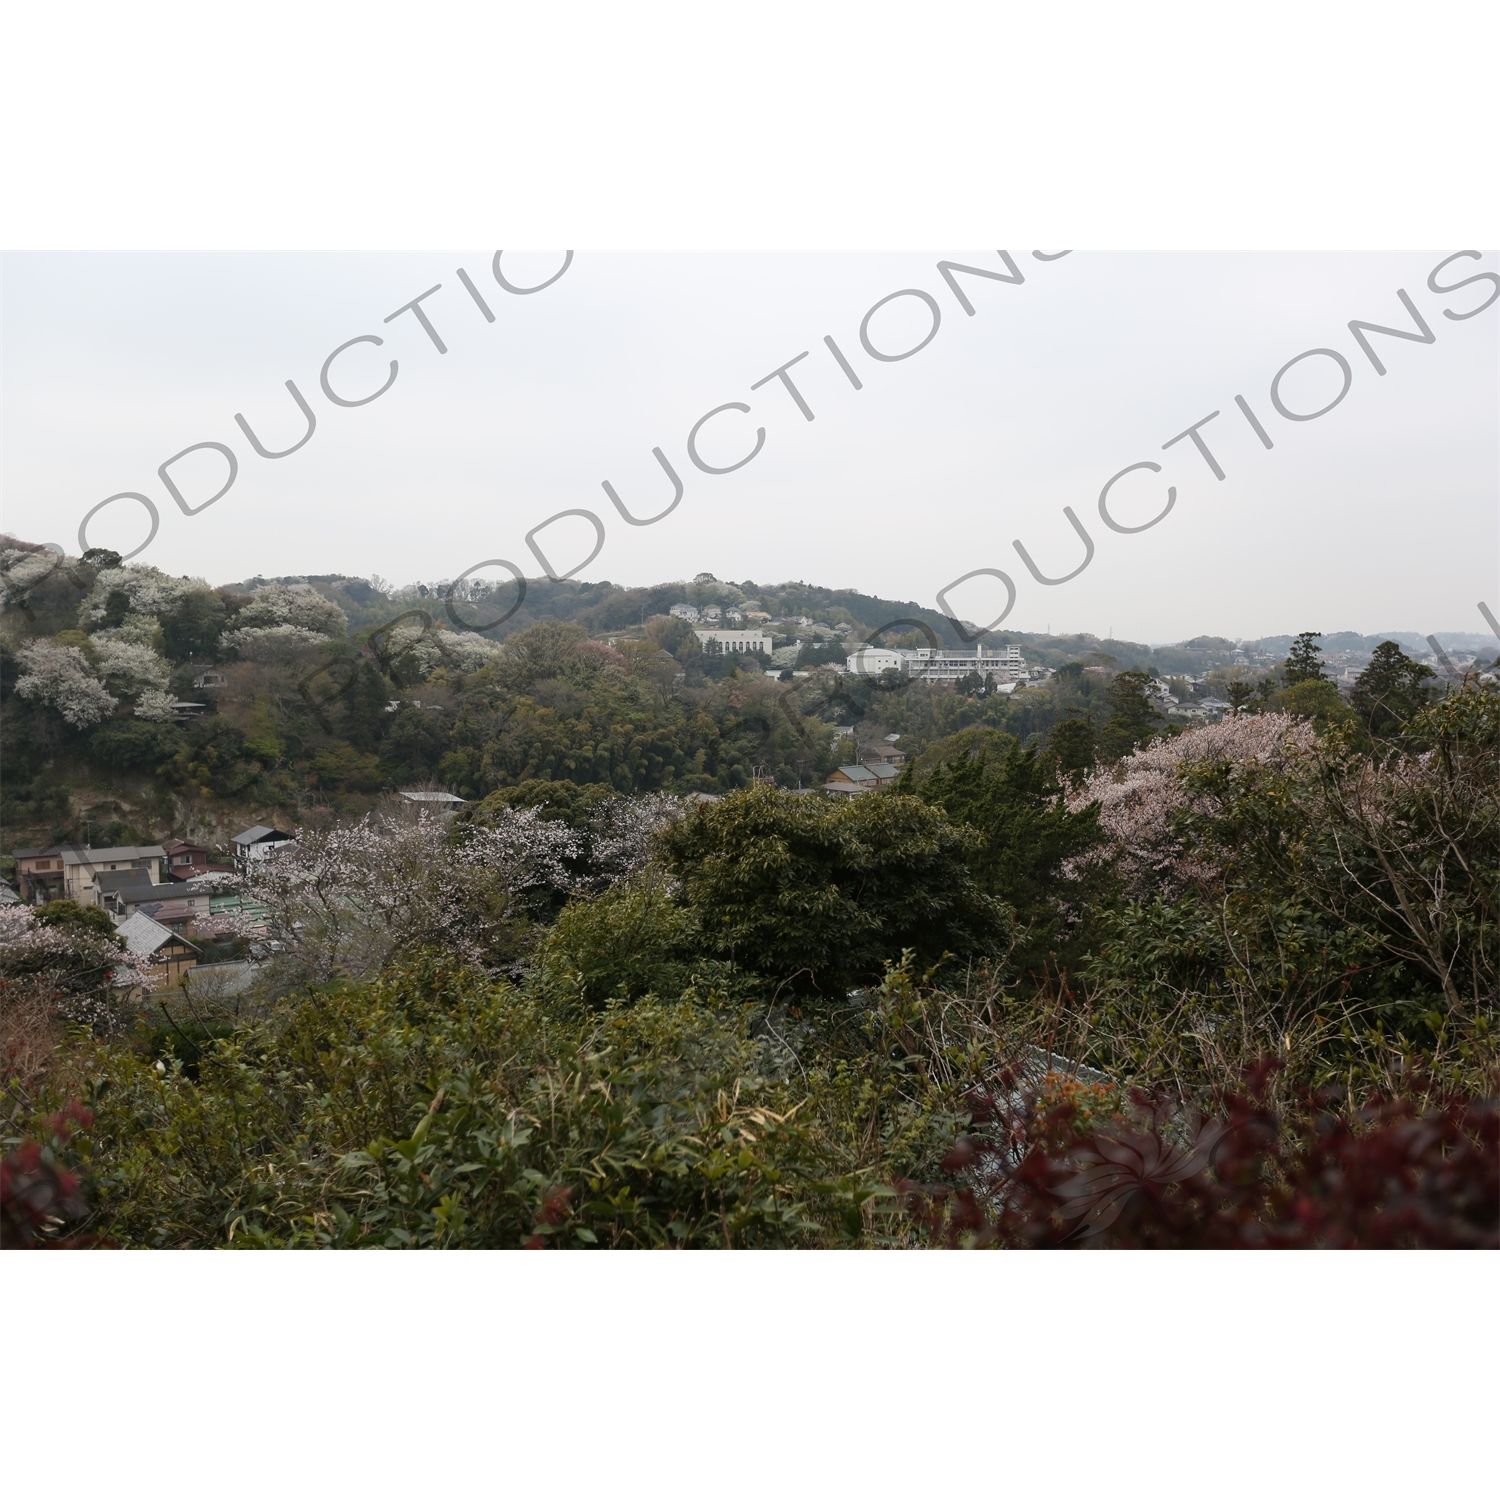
<point>736,640</point>
<point>945,664</point>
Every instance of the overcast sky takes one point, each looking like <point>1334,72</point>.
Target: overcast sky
<point>1380,514</point>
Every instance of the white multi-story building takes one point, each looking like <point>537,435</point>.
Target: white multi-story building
<point>945,664</point>
<point>736,640</point>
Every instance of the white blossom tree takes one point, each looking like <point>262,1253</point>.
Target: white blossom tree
<point>67,967</point>
<point>298,605</point>
<point>150,592</point>
<point>345,899</point>
<point>129,666</point>
<point>61,677</point>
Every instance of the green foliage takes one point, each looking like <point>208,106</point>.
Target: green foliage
<point>1132,718</point>
<point>1304,662</point>
<point>70,917</point>
<point>430,1110</point>
<point>561,801</point>
<point>132,744</point>
<point>630,941</point>
<point>674,636</point>
<point>1317,699</point>
<point>1390,690</point>
<point>414,744</point>
<point>210,760</point>
<point>1075,744</point>
<point>343,768</point>
<point>817,893</point>
<point>191,631</point>
<point>1013,798</point>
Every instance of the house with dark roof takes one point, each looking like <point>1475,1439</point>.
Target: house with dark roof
<point>259,841</point>
<point>176,903</point>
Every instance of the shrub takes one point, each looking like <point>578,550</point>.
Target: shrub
<point>818,893</point>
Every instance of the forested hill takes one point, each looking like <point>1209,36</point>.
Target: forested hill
<point>137,705</point>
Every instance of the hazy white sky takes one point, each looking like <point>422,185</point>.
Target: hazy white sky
<point>1379,515</point>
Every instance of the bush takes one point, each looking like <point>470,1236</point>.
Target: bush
<point>126,744</point>
<point>1386,1175</point>
<point>819,893</point>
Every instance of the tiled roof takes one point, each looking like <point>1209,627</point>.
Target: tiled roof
<point>145,937</point>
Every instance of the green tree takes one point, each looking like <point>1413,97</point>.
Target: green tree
<point>1390,690</point>
<point>1132,718</point>
<point>1318,700</point>
<point>1304,662</point>
<point>192,629</point>
<point>1014,799</point>
<point>1074,743</point>
<point>1239,693</point>
<point>365,720</point>
<point>125,744</point>
<point>818,893</point>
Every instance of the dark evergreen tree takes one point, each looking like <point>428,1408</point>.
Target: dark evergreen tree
<point>1013,798</point>
<point>365,719</point>
<point>1132,718</point>
<point>1075,744</point>
<point>1390,690</point>
<point>191,631</point>
<point>1304,662</point>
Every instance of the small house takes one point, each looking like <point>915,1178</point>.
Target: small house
<point>168,954</point>
<point>258,842</point>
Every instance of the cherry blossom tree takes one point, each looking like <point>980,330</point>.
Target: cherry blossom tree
<point>345,899</point>
<point>67,962</point>
<point>1142,795</point>
<point>61,677</point>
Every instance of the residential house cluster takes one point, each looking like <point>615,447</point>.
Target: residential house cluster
<point>155,893</point>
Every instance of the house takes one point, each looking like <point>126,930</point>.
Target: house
<point>683,612</point>
<point>67,872</point>
<point>889,757</point>
<point>258,842</point>
<point>711,615</point>
<point>757,614</point>
<point>187,861</point>
<point>209,680</point>
<point>872,776</point>
<point>125,892</point>
<point>444,804</point>
<point>167,953</point>
<point>728,641</point>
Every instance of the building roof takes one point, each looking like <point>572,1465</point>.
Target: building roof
<point>123,880</point>
<point>133,893</point>
<point>431,797</point>
<point>88,856</point>
<point>858,773</point>
<point>7,896</point>
<point>176,846</point>
<point>33,853</point>
<point>259,833</point>
<point>168,911</point>
<point>145,937</point>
